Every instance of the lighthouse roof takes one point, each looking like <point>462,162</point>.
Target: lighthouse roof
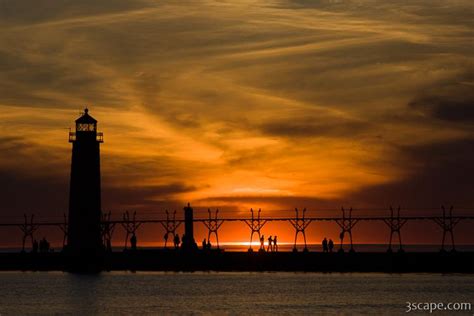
<point>86,118</point>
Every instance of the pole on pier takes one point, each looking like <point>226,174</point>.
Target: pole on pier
<point>447,223</point>
<point>130,225</point>
<point>170,226</point>
<point>255,225</point>
<point>213,225</point>
<point>28,229</point>
<point>300,224</point>
<point>395,224</point>
<point>107,229</point>
<point>346,224</point>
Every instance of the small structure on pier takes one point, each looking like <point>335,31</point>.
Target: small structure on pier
<point>188,242</point>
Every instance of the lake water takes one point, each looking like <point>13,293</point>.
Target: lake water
<point>218,293</point>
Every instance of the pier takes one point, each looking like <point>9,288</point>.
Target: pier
<point>448,259</point>
<point>130,222</point>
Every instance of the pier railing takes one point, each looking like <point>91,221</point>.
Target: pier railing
<point>255,222</point>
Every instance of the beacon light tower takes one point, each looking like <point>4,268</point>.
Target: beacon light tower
<point>189,244</point>
<point>84,236</point>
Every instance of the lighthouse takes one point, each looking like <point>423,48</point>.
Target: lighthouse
<point>84,234</point>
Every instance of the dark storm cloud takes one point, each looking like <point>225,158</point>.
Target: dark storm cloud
<point>42,187</point>
<point>448,108</point>
<point>449,102</point>
<point>439,173</point>
<point>47,196</point>
<point>41,195</point>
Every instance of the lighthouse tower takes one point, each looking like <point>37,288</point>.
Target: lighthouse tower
<point>84,236</point>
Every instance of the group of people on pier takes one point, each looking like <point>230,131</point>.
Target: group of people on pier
<point>42,246</point>
<point>272,244</point>
<point>327,246</point>
<point>176,240</point>
<point>206,245</point>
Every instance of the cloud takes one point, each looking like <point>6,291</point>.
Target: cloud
<point>315,127</point>
<point>148,198</point>
<point>449,101</point>
<point>438,173</point>
<point>14,12</point>
<point>42,187</point>
<point>30,194</point>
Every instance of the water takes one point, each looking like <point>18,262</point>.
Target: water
<point>218,293</point>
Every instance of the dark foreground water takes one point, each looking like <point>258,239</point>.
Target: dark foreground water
<point>227,293</point>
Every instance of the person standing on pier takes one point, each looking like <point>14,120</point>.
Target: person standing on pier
<point>275,245</point>
<point>270,243</point>
<point>331,245</point>
<point>262,243</point>
<point>176,241</point>
<point>325,245</point>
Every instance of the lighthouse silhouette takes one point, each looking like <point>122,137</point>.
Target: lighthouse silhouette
<point>84,233</point>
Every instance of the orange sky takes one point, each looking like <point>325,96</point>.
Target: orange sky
<point>237,104</point>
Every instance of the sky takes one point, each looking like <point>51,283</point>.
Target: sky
<point>236,104</point>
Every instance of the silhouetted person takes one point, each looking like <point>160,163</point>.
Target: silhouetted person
<point>275,245</point>
<point>176,241</point>
<point>204,244</point>
<point>133,242</point>
<point>208,246</point>
<point>331,245</point>
<point>262,242</point>
<point>270,242</point>
<point>325,245</point>
<point>35,246</point>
